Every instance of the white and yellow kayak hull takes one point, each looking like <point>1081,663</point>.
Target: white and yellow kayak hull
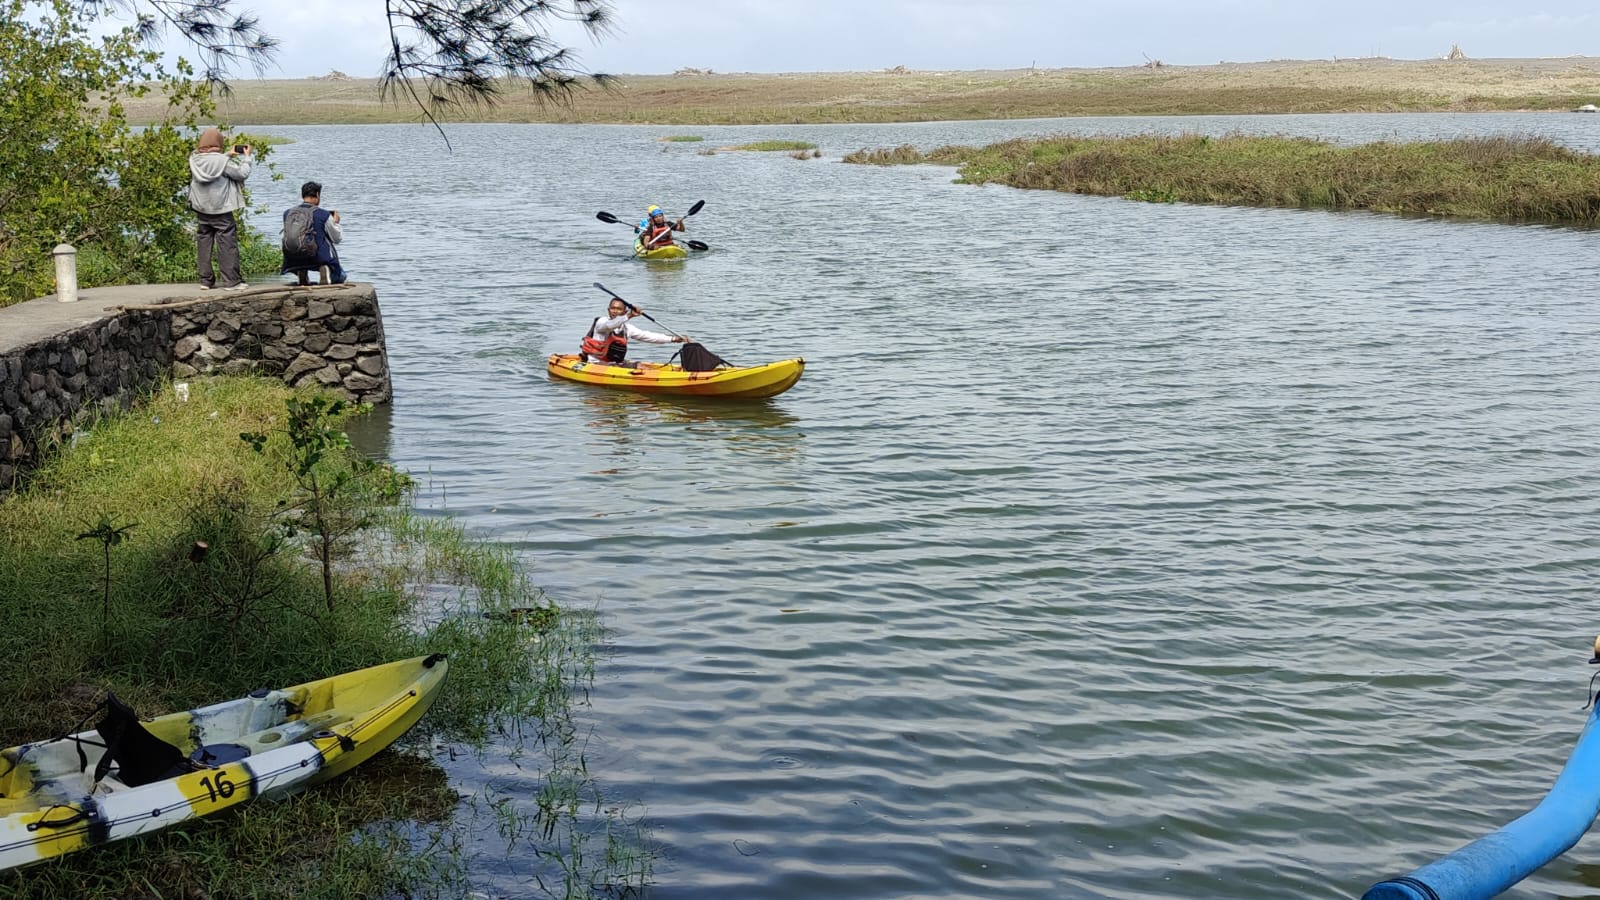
<point>273,741</point>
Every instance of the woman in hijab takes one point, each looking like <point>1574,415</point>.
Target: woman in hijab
<point>216,189</point>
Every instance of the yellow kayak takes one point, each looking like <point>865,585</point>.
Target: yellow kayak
<point>769,380</point>
<point>128,777</point>
<point>671,251</point>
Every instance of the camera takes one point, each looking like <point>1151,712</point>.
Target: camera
<point>240,148</point>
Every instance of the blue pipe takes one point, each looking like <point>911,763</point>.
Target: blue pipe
<point>1495,862</point>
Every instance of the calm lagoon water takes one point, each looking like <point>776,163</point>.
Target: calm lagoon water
<point>1106,549</point>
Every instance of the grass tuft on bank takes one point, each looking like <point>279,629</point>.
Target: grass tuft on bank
<point>168,629</point>
<point>1509,178</point>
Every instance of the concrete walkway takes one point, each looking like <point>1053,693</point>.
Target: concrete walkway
<point>27,323</point>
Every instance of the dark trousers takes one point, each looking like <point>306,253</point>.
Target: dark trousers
<point>221,230</point>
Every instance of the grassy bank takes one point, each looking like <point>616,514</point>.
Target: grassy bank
<point>1507,178</point>
<point>166,631</point>
<point>899,95</point>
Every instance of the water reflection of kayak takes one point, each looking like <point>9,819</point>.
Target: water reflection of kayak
<point>769,380</point>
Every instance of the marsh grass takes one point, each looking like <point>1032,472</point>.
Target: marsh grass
<point>682,138</point>
<point>1511,178</point>
<point>774,146</point>
<point>165,630</point>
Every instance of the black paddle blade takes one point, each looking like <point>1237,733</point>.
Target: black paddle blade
<point>695,208</point>
<point>698,245</point>
<point>609,291</point>
<point>607,217</point>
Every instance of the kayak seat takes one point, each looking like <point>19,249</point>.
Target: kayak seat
<point>696,358</point>
<point>139,756</point>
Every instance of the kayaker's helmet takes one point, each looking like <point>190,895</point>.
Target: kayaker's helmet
<point>655,211</point>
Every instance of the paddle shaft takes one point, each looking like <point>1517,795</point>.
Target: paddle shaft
<point>641,312</point>
<point>657,239</point>
<point>636,309</point>
<point>668,233</point>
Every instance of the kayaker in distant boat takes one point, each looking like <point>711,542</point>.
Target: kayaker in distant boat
<point>655,231</point>
<point>607,340</point>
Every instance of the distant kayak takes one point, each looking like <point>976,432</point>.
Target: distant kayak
<point>671,251</point>
<point>769,380</point>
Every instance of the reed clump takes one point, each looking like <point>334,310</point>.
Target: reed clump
<point>1512,178</point>
<point>887,156</point>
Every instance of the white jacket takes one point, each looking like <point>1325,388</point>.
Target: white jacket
<point>604,327</point>
<point>216,182</point>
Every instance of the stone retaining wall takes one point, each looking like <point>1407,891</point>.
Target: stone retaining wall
<point>62,379</point>
<point>334,341</point>
<point>61,363</point>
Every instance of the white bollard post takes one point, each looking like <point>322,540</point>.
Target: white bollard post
<point>66,272</point>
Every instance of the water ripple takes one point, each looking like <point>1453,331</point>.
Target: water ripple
<point>1106,549</point>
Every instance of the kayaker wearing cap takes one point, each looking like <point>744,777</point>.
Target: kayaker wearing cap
<point>607,340</point>
<point>654,229</point>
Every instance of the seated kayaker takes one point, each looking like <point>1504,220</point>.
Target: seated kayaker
<point>607,340</point>
<point>655,231</point>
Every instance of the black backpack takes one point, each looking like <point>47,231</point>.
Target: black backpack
<point>298,238</point>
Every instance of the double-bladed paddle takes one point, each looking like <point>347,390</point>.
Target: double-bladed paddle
<point>692,244</point>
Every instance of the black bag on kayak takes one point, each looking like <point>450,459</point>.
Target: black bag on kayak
<point>696,358</point>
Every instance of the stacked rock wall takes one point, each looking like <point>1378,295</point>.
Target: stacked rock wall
<point>61,363</point>
<point>64,378</point>
<point>334,340</point>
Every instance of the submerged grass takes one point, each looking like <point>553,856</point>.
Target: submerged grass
<point>1511,178</point>
<point>166,632</point>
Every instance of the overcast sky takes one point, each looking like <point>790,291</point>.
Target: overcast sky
<point>862,35</point>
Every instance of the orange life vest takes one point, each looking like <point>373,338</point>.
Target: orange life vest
<point>614,349</point>
<point>648,239</point>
